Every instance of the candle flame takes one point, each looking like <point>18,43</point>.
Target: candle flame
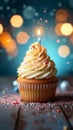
<point>39,32</point>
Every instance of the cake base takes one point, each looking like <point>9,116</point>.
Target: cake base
<point>37,90</point>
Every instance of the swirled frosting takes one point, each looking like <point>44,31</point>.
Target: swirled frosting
<point>36,63</point>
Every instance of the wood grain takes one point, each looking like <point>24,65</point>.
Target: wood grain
<point>43,119</point>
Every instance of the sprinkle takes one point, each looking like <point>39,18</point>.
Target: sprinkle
<point>15,103</point>
<point>46,61</point>
<point>65,106</point>
<point>65,128</point>
<point>58,110</point>
<point>33,47</point>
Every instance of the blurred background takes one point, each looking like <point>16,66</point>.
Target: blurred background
<point>19,24</point>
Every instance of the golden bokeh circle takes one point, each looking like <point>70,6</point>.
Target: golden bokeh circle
<point>16,21</point>
<point>1,28</point>
<point>22,37</point>
<point>64,51</point>
<point>66,29</point>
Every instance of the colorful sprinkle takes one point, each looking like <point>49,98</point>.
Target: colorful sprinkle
<point>15,103</point>
<point>46,62</point>
<point>33,47</point>
<point>58,110</point>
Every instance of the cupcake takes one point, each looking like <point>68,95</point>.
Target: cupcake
<point>37,79</point>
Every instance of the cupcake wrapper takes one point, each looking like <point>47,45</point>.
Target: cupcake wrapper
<point>37,92</point>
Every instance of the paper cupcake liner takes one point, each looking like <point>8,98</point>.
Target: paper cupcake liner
<point>37,92</point>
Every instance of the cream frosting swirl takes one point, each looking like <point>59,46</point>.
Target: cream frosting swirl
<point>36,63</point>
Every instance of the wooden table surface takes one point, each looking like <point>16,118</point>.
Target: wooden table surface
<point>16,115</point>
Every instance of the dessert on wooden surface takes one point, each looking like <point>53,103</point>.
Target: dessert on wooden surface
<point>37,79</point>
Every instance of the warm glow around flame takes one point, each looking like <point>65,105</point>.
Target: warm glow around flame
<point>39,32</point>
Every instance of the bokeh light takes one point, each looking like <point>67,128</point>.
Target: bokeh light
<point>51,13</point>
<point>61,15</point>
<point>16,21</point>
<point>64,85</point>
<point>1,7</point>
<point>45,11</point>
<point>24,5</point>
<point>36,14</point>
<point>41,19</point>
<point>29,12</point>
<point>58,29</point>
<point>46,21</point>
<point>58,41</point>
<point>64,51</point>
<point>66,29</point>
<point>1,28</point>
<point>8,7</point>
<point>22,37</point>
<point>8,43</point>
<point>59,4</point>
<point>68,62</point>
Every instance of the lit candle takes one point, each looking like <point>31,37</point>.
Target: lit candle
<point>39,33</point>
